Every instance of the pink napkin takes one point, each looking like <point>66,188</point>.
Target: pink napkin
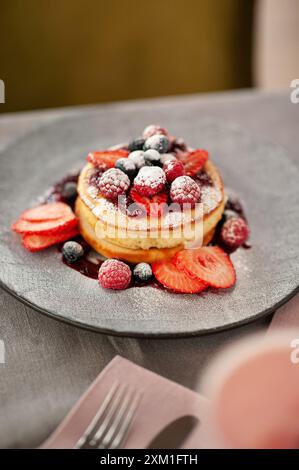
<point>162,402</point>
<point>286,316</point>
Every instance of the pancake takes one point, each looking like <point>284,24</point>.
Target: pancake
<point>114,234</point>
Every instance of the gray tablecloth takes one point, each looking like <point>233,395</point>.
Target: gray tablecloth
<point>49,364</point>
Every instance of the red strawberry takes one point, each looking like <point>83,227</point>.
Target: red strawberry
<point>106,158</point>
<point>193,161</point>
<point>153,205</point>
<point>209,264</point>
<point>169,276</point>
<point>36,242</point>
<point>53,211</point>
<point>47,227</point>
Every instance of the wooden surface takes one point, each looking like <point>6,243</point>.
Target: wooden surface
<point>50,364</point>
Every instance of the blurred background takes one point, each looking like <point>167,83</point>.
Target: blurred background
<point>71,52</point>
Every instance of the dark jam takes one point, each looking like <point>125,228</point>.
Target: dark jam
<point>90,262</point>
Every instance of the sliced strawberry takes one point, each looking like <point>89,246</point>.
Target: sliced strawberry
<point>153,205</point>
<point>34,242</point>
<point>209,264</point>
<point>47,227</point>
<point>53,211</point>
<point>193,161</point>
<point>106,158</point>
<point>169,276</point>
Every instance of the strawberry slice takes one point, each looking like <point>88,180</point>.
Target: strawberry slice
<point>34,242</point>
<point>106,158</point>
<point>53,211</point>
<point>209,264</point>
<point>48,227</point>
<point>193,161</point>
<point>169,276</point>
<point>153,205</point>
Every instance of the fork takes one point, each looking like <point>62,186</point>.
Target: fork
<point>112,422</point>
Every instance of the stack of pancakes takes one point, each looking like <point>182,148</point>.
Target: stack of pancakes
<point>114,234</point>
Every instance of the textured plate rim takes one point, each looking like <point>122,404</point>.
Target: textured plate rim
<point>128,334</point>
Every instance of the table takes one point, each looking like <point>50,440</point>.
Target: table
<point>48,363</point>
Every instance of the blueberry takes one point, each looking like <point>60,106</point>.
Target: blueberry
<point>128,166</point>
<point>157,142</point>
<point>142,272</point>
<point>138,158</point>
<point>69,191</point>
<point>136,144</point>
<point>72,251</point>
<point>152,157</point>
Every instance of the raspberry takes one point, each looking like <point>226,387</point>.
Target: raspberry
<point>173,169</point>
<point>153,129</point>
<point>150,180</point>
<point>113,183</point>
<point>114,274</point>
<point>234,232</point>
<point>184,190</point>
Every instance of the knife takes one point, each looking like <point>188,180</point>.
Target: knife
<point>175,433</point>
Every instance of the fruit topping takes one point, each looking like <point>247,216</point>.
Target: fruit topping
<point>173,169</point>
<point>193,161</point>
<point>114,274</point>
<point>234,232</point>
<point>113,183</point>
<point>95,176</point>
<point>72,251</point>
<point>157,142</point>
<point>153,129</point>
<point>203,179</point>
<point>209,264</point>
<point>128,166</point>
<point>150,180</point>
<point>152,157</point>
<point>69,192</point>
<point>165,157</point>
<point>136,144</point>
<point>178,145</point>
<point>106,158</point>
<point>153,205</point>
<point>37,242</point>
<point>138,158</point>
<point>142,272</point>
<point>46,227</point>
<point>53,211</point>
<point>171,277</point>
<point>184,190</point>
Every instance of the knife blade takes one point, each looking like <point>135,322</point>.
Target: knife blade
<point>173,435</point>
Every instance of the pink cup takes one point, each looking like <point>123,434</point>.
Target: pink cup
<point>254,391</point>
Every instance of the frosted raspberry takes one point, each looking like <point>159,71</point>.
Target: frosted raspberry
<point>153,129</point>
<point>150,180</point>
<point>113,183</point>
<point>184,190</point>
<point>114,274</point>
<point>173,169</point>
<point>234,232</point>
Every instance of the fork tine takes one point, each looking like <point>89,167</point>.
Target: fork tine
<point>92,427</point>
<point>109,437</point>
<point>109,418</point>
<point>126,423</point>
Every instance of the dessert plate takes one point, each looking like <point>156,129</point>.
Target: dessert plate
<point>259,172</point>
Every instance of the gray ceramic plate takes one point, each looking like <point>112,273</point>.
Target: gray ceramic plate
<point>260,173</point>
